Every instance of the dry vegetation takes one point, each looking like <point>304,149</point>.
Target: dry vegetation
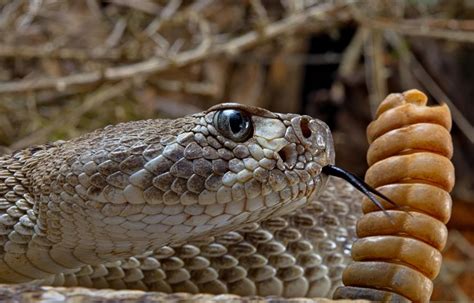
<point>67,67</point>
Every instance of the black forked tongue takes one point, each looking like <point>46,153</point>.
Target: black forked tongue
<point>359,184</point>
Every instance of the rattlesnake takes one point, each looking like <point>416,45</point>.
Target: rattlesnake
<point>223,201</point>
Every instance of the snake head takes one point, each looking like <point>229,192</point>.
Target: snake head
<point>137,186</point>
<point>274,165</point>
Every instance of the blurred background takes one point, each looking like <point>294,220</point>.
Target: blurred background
<point>68,67</point>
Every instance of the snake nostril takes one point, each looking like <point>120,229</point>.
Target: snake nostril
<point>304,125</point>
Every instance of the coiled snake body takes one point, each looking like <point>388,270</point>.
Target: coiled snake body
<point>177,206</point>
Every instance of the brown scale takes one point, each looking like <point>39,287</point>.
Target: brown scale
<point>398,256</point>
<point>298,255</point>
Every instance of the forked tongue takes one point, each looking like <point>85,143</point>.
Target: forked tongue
<point>360,185</point>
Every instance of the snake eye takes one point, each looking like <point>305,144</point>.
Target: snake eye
<point>234,124</point>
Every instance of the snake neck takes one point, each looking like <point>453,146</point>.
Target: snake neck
<point>64,205</point>
<point>52,219</point>
<point>19,217</point>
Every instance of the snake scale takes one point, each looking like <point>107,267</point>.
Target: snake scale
<point>229,200</point>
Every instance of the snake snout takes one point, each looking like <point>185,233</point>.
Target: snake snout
<point>307,140</point>
<point>313,135</point>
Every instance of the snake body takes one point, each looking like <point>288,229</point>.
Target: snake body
<point>222,201</point>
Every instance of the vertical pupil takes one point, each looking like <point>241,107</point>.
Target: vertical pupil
<point>236,122</point>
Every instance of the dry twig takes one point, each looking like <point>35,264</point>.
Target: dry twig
<point>187,87</point>
<point>430,84</point>
<point>51,51</point>
<point>157,65</point>
<point>419,28</point>
<point>375,69</point>
<point>352,53</point>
